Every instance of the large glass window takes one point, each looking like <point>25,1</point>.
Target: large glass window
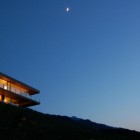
<point>13,88</point>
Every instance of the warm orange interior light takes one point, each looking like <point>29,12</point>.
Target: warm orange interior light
<point>5,87</point>
<point>3,81</point>
<point>5,100</point>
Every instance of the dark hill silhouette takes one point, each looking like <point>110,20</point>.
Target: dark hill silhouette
<point>23,123</point>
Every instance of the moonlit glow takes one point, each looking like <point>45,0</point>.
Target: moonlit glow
<point>67,9</point>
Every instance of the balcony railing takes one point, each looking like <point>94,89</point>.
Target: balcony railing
<point>17,91</point>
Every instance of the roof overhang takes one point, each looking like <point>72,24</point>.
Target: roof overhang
<point>30,89</point>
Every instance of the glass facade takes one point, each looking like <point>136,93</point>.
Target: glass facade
<point>17,93</point>
<point>13,88</point>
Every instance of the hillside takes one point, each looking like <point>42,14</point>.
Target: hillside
<point>22,123</point>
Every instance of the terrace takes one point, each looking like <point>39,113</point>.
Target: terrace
<point>15,92</point>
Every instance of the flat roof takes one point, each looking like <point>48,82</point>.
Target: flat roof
<point>29,89</point>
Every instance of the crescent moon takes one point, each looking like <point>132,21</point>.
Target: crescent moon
<point>67,9</point>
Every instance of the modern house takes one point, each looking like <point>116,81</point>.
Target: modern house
<point>15,92</point>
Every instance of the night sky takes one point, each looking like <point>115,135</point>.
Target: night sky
<point>85,61</point>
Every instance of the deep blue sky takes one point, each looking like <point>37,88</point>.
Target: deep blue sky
<point>86,62</point>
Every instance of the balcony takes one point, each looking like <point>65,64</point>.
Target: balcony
<point>16,94</point>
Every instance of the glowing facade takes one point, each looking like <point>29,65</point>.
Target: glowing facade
<point>15,92</point>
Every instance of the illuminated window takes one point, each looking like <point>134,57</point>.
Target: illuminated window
<point>5,100</point>
<point>5,87</point>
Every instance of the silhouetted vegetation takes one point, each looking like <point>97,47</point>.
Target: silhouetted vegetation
<point>23,123</point>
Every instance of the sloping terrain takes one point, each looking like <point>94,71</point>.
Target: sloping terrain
<point>23,123</point>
